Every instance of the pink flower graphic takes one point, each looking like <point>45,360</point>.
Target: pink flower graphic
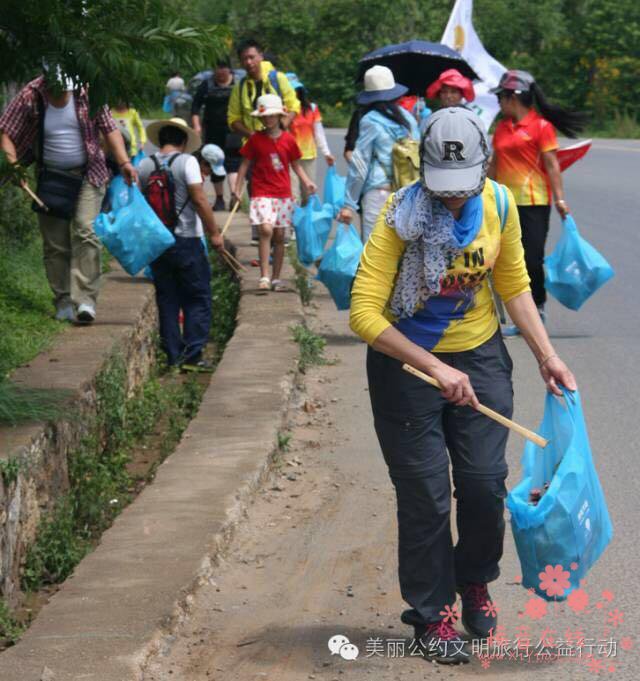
<point>485,662</point>
<point>574,566</point>
<point>450,614</point>
<point>536,608</point>
<point>490,609</point>
<point>554,580</point>
<point>626,643</point>
<point>595,665</point>
<point>607,595</point>
<point>547,637</point>
<point>578,600</point>
<point>611,668</point>
<point>616,617</point>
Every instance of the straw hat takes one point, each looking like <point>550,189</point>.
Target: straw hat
<point>193,139</point>
<point>269,105</point>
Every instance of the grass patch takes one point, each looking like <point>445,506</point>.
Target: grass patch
<point>311,347</point>
<point>10,630</point>
<point>284,441</point>
<point>623,125</point>
<point>302,278</point>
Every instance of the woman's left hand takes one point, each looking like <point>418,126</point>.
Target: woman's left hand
<point>555,372</point>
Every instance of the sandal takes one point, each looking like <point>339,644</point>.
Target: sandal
<point>264,284</point>
<point>279,286</point>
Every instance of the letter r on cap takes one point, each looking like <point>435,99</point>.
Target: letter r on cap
<point>452,150</point>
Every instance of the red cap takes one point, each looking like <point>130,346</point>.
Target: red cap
<point>454,78</point>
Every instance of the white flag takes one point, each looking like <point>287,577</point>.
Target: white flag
<point>462,37</point>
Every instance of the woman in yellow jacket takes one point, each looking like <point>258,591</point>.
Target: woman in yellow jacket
<point>422,296</point>
<point>128,118</point>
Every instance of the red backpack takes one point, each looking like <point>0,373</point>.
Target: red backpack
<point>160,192</point>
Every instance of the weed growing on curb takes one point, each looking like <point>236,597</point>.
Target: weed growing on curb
<point>284,441</point>
<point>19,405</point>
<point>311,347</point>
<point>301,281</point>
<point>10,630</point>
<point>9,470</point>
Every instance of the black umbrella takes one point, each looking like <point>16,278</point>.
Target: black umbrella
<point>416,63</point>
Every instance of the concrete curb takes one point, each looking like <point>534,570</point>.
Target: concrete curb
<point>125,597</point>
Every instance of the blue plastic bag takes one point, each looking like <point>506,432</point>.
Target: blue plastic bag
<point>131,231</point>
<point>138,158</point>
<point>339,264</point>
<point>167,104</point>
<point>575,270</point>
<point>312,224</point>
<point>570,525</point>
<point>334,188</point>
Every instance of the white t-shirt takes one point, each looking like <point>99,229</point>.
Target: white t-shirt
<point>185,170</point>
<point>63,146</point>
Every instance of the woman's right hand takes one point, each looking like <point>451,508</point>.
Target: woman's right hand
<point>345,215</point>
<point>456,386</point>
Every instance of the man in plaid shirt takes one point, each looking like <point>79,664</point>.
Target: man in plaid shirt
<point>72,143</point>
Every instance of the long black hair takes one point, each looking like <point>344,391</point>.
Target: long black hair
<point>568,122</point>
<point>303,96</point>
<point>390,110</point>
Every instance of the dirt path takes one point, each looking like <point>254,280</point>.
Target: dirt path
<point>316,558</point>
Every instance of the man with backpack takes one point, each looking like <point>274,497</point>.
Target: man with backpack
<point>261,79</point>
<point>173,185</point>
<point>209,120</point>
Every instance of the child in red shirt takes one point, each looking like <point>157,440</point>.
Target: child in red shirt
<point>271,151</point>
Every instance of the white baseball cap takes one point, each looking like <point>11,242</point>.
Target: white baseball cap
<point>454,152</point>
<point>214,156</point>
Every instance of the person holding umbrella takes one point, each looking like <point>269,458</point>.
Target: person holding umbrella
<point>421,296</point>
<point>525,160</point>
<point>370,173</point>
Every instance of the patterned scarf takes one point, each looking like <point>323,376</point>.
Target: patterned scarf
<point>434,239</point>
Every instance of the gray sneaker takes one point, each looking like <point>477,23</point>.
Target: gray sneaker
<point>86,314</point>
<point>65,313</point>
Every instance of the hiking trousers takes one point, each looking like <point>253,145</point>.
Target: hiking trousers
<point>182,279</point>
<point>71,250</point>
<point>416,427</point>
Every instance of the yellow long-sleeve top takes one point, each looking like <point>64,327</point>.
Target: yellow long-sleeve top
<point>131,120</point>
<point>462,316</point>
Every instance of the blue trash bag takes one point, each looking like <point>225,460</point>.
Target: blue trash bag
<point>312,224</point>
<point>138,158</point>
<point>570,525</point>
<point>131,231</point>
<point>334,188</point>
<point>575,270</point>
<point>167,104</point>
<point>339,264</point>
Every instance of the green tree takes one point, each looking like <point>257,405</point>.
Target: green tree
<point>123,48</point>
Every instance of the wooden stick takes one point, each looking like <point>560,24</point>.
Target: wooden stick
<point>230,263</point>
<point>34,196</point>
<point>507,423</point>
<point>231,214</point>
<point>237,262</point>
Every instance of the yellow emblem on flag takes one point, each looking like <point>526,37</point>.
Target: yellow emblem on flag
<point>458,38</point>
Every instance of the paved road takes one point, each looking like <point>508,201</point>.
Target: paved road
<point>284,589</point>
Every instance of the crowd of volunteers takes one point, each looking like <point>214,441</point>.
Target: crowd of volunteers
<point>472,221</point>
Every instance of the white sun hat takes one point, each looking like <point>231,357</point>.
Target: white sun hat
<point>269,105</point>
<point>380,86</point>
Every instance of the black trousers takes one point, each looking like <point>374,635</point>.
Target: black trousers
<point>534,221</point>
<point>415,427</point>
